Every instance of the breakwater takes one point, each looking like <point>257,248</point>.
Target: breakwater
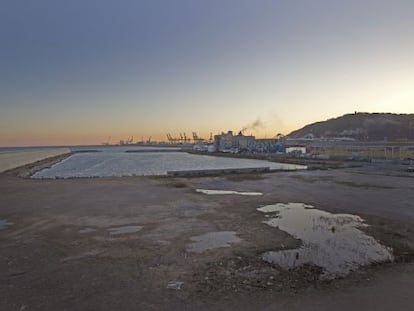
<point>16,158</point>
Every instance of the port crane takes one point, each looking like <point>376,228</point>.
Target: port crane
<point>171,139</point>
<point>184,139</point>
<point>197,139</point>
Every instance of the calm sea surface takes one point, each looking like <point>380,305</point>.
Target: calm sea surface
<point>144,161</point>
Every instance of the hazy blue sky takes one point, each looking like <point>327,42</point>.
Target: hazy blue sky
<point>79,71</point>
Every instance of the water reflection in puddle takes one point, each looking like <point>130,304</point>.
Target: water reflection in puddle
<point>4,224</point>
<point>124,229</point>
<point>207,191</point>
<point>331,241</point>
<point>212,240</point>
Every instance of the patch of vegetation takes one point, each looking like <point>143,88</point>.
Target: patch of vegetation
<point>177,184</point>
<point>242,177</point>
<point>169,181</point>
<point>359,126</point>
<point>341,182</point>
<point>304,178</point>
<point>312,179</point>
<point>362,185</point>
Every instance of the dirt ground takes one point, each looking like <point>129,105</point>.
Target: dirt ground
<point>59,254</point>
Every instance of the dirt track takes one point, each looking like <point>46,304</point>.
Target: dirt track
<point>47,263</point>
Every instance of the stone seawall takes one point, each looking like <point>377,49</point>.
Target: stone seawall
<point>13,159</point>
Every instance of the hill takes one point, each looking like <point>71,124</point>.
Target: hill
<point>362,127</point>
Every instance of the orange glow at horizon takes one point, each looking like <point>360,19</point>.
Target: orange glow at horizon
<point>71,139</point>
<point>206,67</point>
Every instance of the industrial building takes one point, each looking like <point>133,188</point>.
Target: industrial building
<point>227,142</point>
<point>296,150</point>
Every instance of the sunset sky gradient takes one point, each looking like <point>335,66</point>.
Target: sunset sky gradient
<point>76,72</point>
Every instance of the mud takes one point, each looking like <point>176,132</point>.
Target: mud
<point>124,230</point>
<point>46,263</point>
<point>212,240</point>
<point>4,224</point>
<point>87,230</point>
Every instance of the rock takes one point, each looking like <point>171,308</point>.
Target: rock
<point>175,285</point>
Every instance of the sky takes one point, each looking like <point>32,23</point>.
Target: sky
<point>81,71</point>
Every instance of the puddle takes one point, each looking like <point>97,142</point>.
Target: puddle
<point>86,230</point>
<point>212,240</point>
<point>330,241</point>
<point>4,224</point>
<point>206,191</point>
<point>124,230</point>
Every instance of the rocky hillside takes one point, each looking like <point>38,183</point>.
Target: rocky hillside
<point>362,127</point>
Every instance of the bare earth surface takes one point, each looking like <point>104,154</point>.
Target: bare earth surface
<point>126,243</point>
